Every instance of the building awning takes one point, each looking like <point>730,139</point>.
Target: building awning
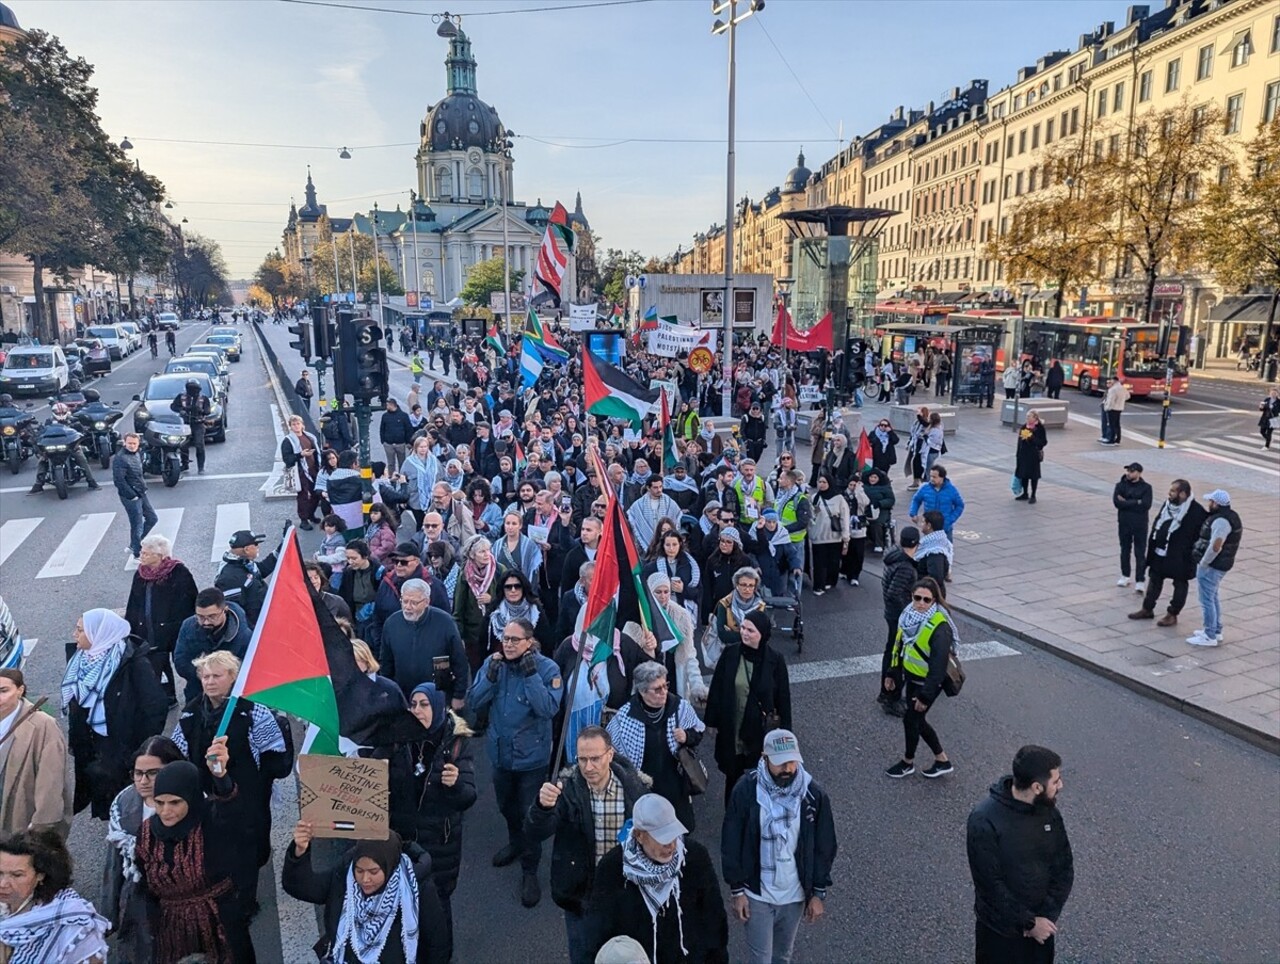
<point>1241,309</point>
<point>952,297</point>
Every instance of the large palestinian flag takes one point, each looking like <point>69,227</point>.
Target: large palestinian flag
<point>286,667</point>
<point>611,393</point>
<point>670,457</point>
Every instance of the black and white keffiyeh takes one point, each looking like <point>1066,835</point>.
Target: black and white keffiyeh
<point>658,883</point>
<point>366,922</point>
<point>779,809</point>
<point>627,731</point>
<point>67,929</point>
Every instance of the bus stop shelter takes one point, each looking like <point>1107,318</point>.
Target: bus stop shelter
<point>973,355</point>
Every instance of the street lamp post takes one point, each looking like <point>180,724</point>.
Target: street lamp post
<point>1018,334</point>
<point>784,293</point>
<point>377,263</point>
<point>730,27</point>
<point>505,143</point>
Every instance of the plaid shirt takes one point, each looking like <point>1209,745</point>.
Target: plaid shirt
<point>608,814</point>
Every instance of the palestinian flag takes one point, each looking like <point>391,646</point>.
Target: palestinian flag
<point>520,459</point>
<point>599,614</point>
<point>862,455</point>
<point>611,393</point>
<point>494,340</point>
<point>545,343</point>
<point>670,457</point>
<point>286,667</point>
<point>552,262</point>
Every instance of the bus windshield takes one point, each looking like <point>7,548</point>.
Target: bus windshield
<point>1142,353</point>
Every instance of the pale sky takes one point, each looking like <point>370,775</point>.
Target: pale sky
<point>571,83</point>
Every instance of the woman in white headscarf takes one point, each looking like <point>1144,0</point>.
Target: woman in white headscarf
<point>113,701</point>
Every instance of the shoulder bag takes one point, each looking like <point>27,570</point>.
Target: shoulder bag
<point>693,770</point>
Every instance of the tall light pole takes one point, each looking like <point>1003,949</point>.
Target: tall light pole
<point>377,263</point>
<point>417,269</point>
<point>1019,336</point>
<point>355,284</point>
<point>730,27</point>
<point>784,293</point>
<point>505,143</point>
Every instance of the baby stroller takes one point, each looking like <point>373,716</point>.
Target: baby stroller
<point>786,614</point>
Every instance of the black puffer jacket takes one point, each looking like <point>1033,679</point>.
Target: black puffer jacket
<point>428,812</point>
<point>899,575</point>
<point>1020,860</point>
<point>1132,500</point>
<point>573,854</point>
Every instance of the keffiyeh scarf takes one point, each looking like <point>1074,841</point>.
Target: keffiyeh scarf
<point>67,929</point>
<point>86,682</point>
<point>779,809</point>
<point>479,580</point>
<point>658,883</point>
<point>366,922</point>
<point>627,731</point>
<point>935,542</point>
<point>506,612</point>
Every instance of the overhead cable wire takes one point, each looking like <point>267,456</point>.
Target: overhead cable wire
<point>786,63</point>
<point>474,13</point>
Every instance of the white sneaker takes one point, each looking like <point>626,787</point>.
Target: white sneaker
<point>1200,638</point>
<point>1140,587</point>
<point>1122,581</point>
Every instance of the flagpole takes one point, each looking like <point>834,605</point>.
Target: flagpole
<point>571,688</point>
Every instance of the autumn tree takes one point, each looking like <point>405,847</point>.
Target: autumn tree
<point>486,278</point>
<point>1151,191</point>
<point>200,272</point>
<point>1053,233</point>
<point>322,264</point>
<point>279,279</point>
<point>1240,227</point>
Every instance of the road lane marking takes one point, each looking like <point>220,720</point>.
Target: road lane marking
<point>232,517</point>
<point>186,480</point>
<point>167,522</point>
<point>1210,454</point>
<point>14,533</point>
<point>74,552</point>
<point>863,665</point>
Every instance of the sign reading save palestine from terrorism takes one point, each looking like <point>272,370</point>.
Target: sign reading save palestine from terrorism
<point>344,797</point>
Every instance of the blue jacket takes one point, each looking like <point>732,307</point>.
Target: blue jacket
<point>194,641</point>
<point>945,500</point>
<point>520,712</point>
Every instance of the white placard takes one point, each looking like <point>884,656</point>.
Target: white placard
<point>670,340</point>
<point>582,317</point>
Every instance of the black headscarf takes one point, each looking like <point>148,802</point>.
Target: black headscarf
<point>384,853</point>
<point>760,620</point>
<point>180,779</point>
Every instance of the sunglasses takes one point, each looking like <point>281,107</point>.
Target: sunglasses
<point>512,585</point>
<point>405,562</point>
<point>919,598</point>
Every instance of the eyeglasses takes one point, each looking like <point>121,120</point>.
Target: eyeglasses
<point>512,585</point>
<point>514,639</point>
<point>919,598</point>
<point>145,774</point>
<point>884,424</point>
<point>431,525</point>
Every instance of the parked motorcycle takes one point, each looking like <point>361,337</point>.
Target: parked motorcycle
<point>97,420</point>
<point>163,443</point>
<point>17,436</point>
<point>54,446</point>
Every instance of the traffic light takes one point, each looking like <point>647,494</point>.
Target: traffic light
<point>302,329</point>
<point>324,331</point>
<point>344,361</point>
<point>371,362</point>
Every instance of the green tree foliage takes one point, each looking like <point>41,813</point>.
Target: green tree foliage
<point>1240,229</point>
<point>322,265</point>
<point>278,279</point>
<point>614,270</point>
<point>199,271</point>
<point>68,195</point>
<point>484,279</point>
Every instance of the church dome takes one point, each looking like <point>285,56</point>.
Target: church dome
<point>797,177</point>
<point>461,121</point>
<point>7,18</point>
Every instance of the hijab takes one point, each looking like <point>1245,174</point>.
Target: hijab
<point>179,779</point>
<point>438,711</point>
<point>760,620</point>
<point>90,670</point>
<point>367,920</point>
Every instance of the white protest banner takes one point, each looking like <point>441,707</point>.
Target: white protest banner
<point>671,390</point>
<point>582,317</point>
<point>671,340</point>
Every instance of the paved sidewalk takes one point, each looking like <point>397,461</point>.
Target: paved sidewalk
<point>1047,572</point>
<point>1225,369</point>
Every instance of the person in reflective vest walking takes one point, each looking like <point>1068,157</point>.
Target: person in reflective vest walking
<point>924,642</point>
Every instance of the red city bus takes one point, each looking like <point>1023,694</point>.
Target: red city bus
<point>894,347</point>
<point>1091,349</point>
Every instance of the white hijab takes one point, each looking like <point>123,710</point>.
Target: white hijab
<point>104,629</point>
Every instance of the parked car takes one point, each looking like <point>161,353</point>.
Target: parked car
<point>35,370</point>
<point>133,331</point>
<point>12,649</point>
<point>230,343</point>
<point>212,366</point>
<point>114,337</point>
<point>160,392</point>
<point>94,358</point>
<point>168,321</point>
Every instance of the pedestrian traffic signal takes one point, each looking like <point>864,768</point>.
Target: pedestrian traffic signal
<point>324,331</point>
<point>344,360</point>
<point>302,343</point>
<point>371,362</point>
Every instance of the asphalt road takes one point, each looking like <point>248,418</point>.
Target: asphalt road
<point>1174,824</point>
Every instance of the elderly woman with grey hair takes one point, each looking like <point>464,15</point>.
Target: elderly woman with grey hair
<point>163,594</point>
<point>650,731</point>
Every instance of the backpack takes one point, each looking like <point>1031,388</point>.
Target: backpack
<point>953,681</point>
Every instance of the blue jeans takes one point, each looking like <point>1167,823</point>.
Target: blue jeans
<point>142,519</point>
<point>771,931</point>
<point>575,932</point>
<point>1207,581</point>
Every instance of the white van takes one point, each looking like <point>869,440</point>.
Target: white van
<point>113,338</point>
<point>35,370</point>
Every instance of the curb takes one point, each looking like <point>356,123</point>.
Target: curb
<point>1259,738</point>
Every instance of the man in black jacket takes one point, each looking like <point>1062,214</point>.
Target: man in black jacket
<point>1021,862</point>
<point>131,486</point>
<point>394,432</point>
<point>243,576</point>
<point>602,783</point>
<point>415,638</point>
<point>1169,545</point>
<point>1132,499</point>
<point>774,882</point>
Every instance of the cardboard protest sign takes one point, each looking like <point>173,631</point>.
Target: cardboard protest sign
<point>344,797</point>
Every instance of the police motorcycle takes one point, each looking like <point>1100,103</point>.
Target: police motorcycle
<point>162,445</point>
<point>55,447</point>
<point>17,434</point>
<point>97,421</point>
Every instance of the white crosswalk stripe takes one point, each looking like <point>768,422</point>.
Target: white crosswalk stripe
<point>859,665</point>
<point>167,522</point>
<point>14,533</point>
<point>73,553</point>
<point>232,516</point>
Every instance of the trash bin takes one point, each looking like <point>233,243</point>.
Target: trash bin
<point>1269,369</point>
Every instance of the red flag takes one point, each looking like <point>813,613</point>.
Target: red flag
<point>862,456</point>
<point>819,336</point>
